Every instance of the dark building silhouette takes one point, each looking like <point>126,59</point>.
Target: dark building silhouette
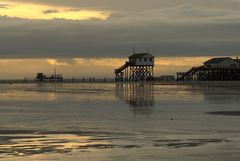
<point>138,68</point>
<point>49,78</point>
<point>215,69</point>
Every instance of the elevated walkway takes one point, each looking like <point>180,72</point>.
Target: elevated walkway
<point>123,67</point>
<point>190,73</point>
<point>205,73</point>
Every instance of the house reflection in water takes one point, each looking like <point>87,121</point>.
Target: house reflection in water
<point>139,96</point>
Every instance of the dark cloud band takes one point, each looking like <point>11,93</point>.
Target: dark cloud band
<point>166,28</point>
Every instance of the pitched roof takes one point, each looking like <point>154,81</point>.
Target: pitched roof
<point>216,60</point>
<point>139,55</point>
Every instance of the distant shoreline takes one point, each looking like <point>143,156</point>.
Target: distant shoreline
<point>194,83</point>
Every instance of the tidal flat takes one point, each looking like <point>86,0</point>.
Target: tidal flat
<point>116,122</point>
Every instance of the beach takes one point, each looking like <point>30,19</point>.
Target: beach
<point>119,121</point>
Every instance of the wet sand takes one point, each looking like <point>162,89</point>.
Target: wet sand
<point>225,113</point>
<point>115,122</point>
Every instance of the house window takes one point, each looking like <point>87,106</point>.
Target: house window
<point>140,59</point>
<point>145,59</point>
<point>150,59</point>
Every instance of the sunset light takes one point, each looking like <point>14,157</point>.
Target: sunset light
<point>116,80</point>
<point>44,12</point>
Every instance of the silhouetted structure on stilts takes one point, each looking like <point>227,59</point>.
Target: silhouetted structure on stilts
<point>216,69</point>
<point>138,68</point>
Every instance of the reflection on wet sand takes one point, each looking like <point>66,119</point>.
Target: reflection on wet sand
<point>225,113</point>
<point>84,122</point>
<point>221,94</point>
<point>139,96</point>
<point>17,143</point>
<point>28,143</point>
<point>181,143</point>
<point>24,145</point>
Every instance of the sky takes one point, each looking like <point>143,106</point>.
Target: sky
<point>68,31</point>
<point>88,67</point>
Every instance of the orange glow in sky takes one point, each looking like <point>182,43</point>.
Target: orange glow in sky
<point>44,12</point>
<point>100,67</point>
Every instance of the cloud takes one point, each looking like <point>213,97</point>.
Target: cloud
<point>61,62</point>
<point>32,11</point>
<point>5,6</point>
<point>50,11</point>
<point>166,28</point>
